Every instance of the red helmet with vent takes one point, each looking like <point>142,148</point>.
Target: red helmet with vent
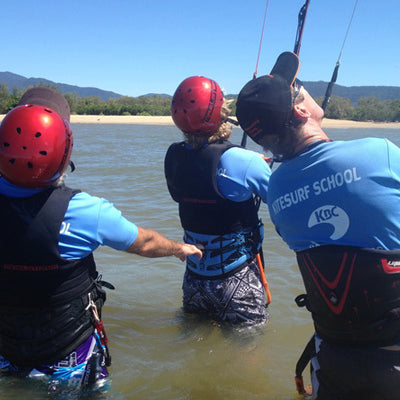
<point>35,146</point>
<point>196,106</point>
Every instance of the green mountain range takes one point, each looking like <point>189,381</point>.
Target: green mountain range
<point>316,89</point>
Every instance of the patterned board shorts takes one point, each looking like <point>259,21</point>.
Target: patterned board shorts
<point>83,369</point>
<point>238,298</point>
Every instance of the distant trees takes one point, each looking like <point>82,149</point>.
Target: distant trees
<point>338,108</point>
<point>367,108</point>
<point>8,100</point>
<point>143,105</point>
<point>370,108</point>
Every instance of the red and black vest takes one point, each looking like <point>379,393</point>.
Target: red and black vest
<point>191,176</point>
<point>43,297</point>
<point>353,294</point>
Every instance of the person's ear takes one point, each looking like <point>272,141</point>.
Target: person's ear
<point>300,112</point>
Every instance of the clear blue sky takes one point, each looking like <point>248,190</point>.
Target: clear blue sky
<point>134,47</point>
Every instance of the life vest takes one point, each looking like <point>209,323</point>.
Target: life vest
<point>192,182</point>
<point>230,232</point>
<point>44,313</point>
<point>353,294</point>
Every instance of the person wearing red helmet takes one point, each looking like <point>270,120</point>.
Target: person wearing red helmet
<point>32,158</point>
<point>50,292</point>
<point>215,184</point>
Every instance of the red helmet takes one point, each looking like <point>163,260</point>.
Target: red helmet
<point>196,106</point>
<point>35,146</point>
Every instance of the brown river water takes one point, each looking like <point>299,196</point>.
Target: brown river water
<point>158,352</point>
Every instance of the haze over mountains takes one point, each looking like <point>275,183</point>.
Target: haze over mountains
<point>316,89</point>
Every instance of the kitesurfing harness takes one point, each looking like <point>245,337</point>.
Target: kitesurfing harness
<point>353,295</point>
<point>47,303</point>
<point>192,182</point>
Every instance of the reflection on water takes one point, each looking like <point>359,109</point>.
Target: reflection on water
<point>158,352</point>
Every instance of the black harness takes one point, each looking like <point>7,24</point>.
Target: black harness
<point>44,299</point>
<point>353,294</point>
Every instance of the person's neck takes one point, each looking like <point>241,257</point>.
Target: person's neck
<point>311,132</point>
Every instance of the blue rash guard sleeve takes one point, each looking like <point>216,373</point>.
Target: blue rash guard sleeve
<point>91,222</point>
<point>242,173</point>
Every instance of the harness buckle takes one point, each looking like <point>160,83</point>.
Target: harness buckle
<point>98,324</point>
<point>302,301</point>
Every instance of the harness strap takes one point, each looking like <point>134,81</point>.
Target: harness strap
<point>225,253</point>
<point>305,358</point>
<point>98,323</point>
<point>264,281</point>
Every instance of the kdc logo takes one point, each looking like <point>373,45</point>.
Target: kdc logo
<point>332,215</point>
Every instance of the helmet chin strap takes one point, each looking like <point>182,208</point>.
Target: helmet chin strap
<point>232,121</point>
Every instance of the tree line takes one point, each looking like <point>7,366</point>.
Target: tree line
<point>366,109</point>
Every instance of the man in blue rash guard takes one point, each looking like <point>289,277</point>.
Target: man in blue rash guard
<point>337,205</point>
<point>215,184</point>
<point>50,292</point>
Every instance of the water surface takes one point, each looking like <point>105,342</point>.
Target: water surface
<point>158,352</point>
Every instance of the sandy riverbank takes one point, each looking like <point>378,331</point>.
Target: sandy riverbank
<point>166,120</point>
<point>122,119</point>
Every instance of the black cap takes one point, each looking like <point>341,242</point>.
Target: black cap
<point>264,105</point>
<point>44,96</point>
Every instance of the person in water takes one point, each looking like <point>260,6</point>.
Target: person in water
<point>218,187</point>
<point>51,294</point>
<point>337,205</point>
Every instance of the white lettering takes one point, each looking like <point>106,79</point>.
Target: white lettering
<point>65,228</point>
<point>348,176</point>
<point>221,171</point>
<point>323,185</point>
<point>331,182</point>
<point>394,263</point>
<point>337,180</point>
<point>317,188</point>
<point>290,199</point>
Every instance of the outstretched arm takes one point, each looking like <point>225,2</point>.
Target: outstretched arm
<point>152,244</point>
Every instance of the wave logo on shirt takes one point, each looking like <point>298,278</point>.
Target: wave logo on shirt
<point>332,215</point>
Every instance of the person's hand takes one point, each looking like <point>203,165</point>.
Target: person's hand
<point>188,250</point>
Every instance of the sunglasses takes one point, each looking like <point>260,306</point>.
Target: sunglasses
<point>297,85</point>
